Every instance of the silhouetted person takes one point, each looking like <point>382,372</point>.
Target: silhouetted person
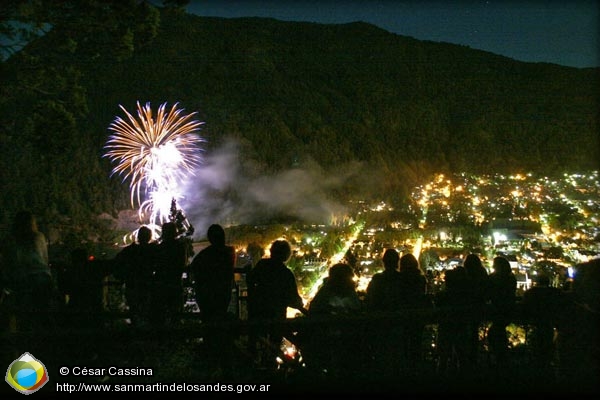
<point>171,263</point>
<point>578,344</point>
<point>333,343</point>
<point>337,295</point>
<point>502,289</point>
<point>256,253</point>
<point>453,328</point>
<point>586,285</point>
<point>383,299</point>
<point>212,273</point>
<point>413,291</point>
<point>382,291</point>
<point>544,306</point>
<point>272,288</point>
<point>84,286</point>
<point>134,265</point>
<point>476,297</point>
<point>28,282</point>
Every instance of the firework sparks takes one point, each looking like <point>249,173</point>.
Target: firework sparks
<point>155,154</point>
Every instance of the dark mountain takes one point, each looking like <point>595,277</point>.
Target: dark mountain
<point>369,113</point>
<point>342,93</point>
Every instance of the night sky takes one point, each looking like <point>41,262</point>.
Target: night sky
<point>559,32</point>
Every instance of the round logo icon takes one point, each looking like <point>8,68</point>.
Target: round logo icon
<point>26,374</point>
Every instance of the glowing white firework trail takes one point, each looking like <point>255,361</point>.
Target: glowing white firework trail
<point>155,154</point>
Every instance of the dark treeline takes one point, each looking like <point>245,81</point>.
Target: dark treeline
<point>291,93</point>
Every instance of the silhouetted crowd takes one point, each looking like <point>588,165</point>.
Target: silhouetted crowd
<point>345,333</point>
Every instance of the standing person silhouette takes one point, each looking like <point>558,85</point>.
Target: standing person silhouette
<point>272,288</point>
<point>453,328</point>
<point>334,345</point>
<point>384,301</point>
<point>171,263</point>
<point>382,291</point>
<point>134,265</point>
<point>212,274</point>
<point>544,306</point>
<point>84,285</point>
<point>476,291</point>
<point>502,286</point>
<point>26,274</point>
<point>413,291</point>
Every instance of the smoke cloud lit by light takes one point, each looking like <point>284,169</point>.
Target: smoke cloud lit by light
<point>226,190</point>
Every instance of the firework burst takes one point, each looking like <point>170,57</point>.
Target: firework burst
<point>155,154</point>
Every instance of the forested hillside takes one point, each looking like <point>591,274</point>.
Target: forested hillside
<point>379,110</point>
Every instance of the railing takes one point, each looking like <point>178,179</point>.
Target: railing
<point>110,338</point>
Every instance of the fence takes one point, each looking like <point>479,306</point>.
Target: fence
<point>179,350</point>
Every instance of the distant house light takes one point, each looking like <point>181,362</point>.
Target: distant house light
<point>499,237</point>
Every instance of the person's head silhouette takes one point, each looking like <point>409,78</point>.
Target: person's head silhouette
<point>391,259</point>
<point>216,235</point>
<point>169,231</point>
<point>281,251</point>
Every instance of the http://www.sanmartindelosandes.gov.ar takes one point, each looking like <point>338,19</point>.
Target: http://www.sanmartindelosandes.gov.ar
<point>26,374</point>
